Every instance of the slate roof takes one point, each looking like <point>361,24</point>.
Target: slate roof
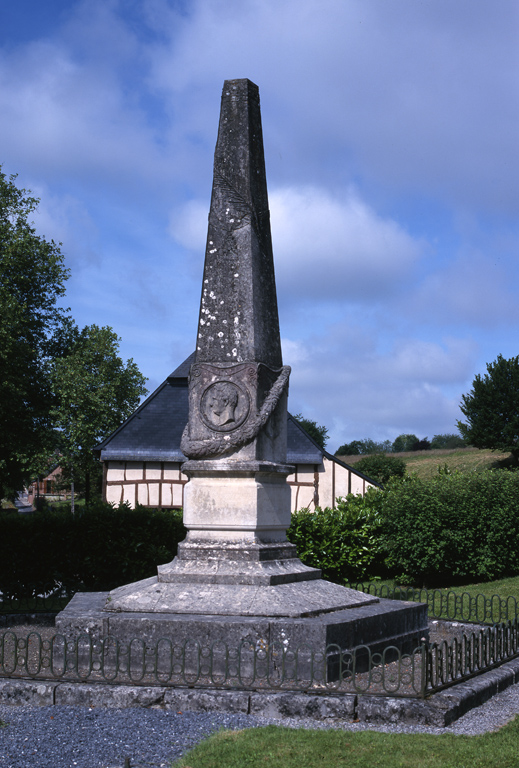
<point>154,431</point>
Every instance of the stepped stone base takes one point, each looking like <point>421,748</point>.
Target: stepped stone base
<point>235,563</point>
<point>296,599</point>
<point>375,624</point>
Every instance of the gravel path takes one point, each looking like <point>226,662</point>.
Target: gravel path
<point>70,737</point>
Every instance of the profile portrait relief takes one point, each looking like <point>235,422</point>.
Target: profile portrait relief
<point>223,406</point>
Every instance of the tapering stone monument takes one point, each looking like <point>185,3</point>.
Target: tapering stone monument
<point>236,576</point>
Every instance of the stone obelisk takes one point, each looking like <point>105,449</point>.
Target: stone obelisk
<point>236,575</point>
<point>237,501</point>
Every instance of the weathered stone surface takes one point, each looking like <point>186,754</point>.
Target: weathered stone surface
<point>182,700</point>
<point>377,625</point>
<point>111,696</point>
<point>382,709</point>
<point>303,705</point>
<point>229,505</point>
<point>83,614</point>
<point>296,599</point>
<point>238,312</point>
<point>440,709</point>
<point>23,692</point>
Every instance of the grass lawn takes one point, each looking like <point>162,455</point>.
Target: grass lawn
<point>277,747</point>
<point>503,587</point>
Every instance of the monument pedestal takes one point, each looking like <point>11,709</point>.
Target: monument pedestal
<point>237,634</point>
<point>237,582</point>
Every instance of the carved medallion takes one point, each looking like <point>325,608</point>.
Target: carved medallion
<point>224,406</point>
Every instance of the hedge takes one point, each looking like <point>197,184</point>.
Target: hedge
<point>452,529</point>
<point>343,542</point>
<point>99,548</point>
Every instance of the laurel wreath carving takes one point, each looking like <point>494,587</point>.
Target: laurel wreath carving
<point>212,447</point>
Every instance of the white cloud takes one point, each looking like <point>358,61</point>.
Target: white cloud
<point>415,386</point>
<point>474,288</point>
<point>65,219</point>
<point>188,225</point>
<point>417,96</point>
<point>328,247</point>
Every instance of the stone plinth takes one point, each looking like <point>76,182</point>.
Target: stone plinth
<point>376,624</point>
<point>234,501</point>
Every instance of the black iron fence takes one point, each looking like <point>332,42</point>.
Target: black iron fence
<point>449,604</point>
<point>428,668</point>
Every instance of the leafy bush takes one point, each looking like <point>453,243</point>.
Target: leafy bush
<point>380,467</point>
<point>100,548</point>
<point>404,443</point>
<point>316,431</point>
<point>363,448</point>
<point>449,440</point>
<point>343,542</point>
<point>422,445</point>
<point>454,528</point>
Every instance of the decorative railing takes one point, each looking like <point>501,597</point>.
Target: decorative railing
<point>260,666</point>
<point>449,604</point>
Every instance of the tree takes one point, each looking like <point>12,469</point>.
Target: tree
<point>404,443</point>
<point>492,408</point>
<point>363,448</point>
<point>94,392</point>
<point>449,440</point>
<point>350,449</point>
<point>381,467</point>
<point>422,445</point>
<point>318,433</point>
<point>32,279</point>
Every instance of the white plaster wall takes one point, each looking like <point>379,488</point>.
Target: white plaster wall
<point>113,494</point>
<point>115,470</point>
<point>129,494</point>
<point>134,470</point>
<point>166,495</point>
<point>153,470</point>
<point>142,494</point>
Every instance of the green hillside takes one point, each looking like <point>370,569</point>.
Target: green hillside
<point>426,463</point>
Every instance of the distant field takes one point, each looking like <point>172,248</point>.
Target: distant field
<point>425,464</point>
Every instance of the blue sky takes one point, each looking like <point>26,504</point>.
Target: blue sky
<point>391,132</point>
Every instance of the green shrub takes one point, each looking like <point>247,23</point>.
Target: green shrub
<point>452,529</point>
<point>99,548</point>
<point>343,542</point>
<point>380,467</point>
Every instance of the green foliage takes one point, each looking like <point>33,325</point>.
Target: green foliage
<point>492,408</point>
<point>342,542</point>
<point>318,433</point>
<point>422,445</point>
<point>404,443</point>
<point>32,279</point>
<point>94,392</point>
<point>363,448</point>
<point>452,529</point>
<point>380,467</point>
<point>99,548</point>
<point>449,440</point>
